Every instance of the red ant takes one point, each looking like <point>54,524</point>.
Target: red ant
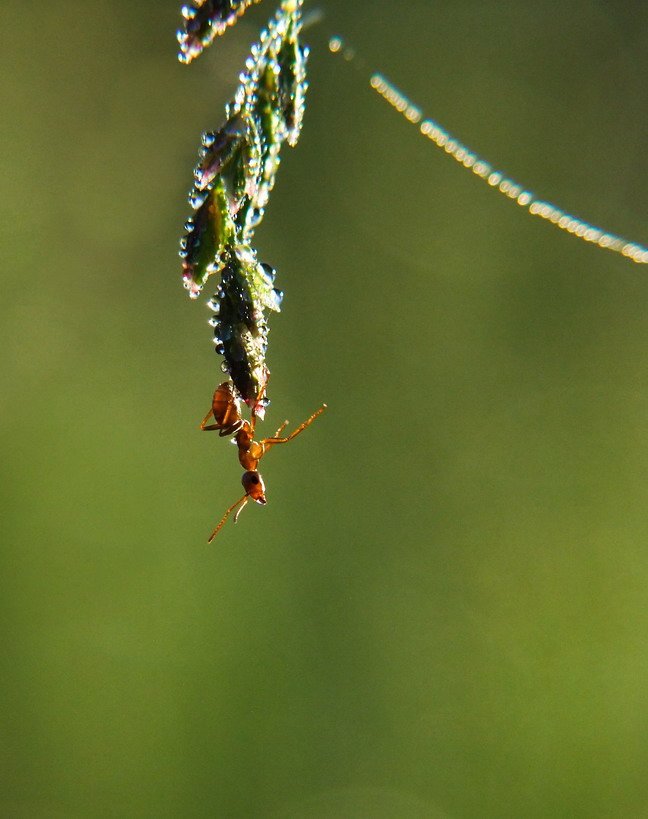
<point>226,410</point>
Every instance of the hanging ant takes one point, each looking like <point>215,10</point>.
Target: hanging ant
<point>226,410</point>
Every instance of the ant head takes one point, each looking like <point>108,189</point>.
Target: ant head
<point>254,486</point>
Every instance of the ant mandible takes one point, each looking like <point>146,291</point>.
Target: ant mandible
<point>226,411</point>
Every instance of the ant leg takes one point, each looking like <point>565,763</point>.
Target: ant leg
<point>280,430</point>
<point>203,424</point>
<point>295,433</point>
<point>240,502</point>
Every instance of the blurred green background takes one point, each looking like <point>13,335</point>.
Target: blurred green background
<point>443,610</point>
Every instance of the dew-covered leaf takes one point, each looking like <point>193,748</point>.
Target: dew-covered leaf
<point>218,149</point>
<point>203,21</point>
<point>209,231</point>
<point>241,330</point>
<point>292,59</point>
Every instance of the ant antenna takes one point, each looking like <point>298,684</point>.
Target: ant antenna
<point>240,502</point>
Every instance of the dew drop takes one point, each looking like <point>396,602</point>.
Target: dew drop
<point>196,199</point>
<point>269,271</point>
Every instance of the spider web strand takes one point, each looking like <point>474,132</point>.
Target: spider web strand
<point>496,179</point>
